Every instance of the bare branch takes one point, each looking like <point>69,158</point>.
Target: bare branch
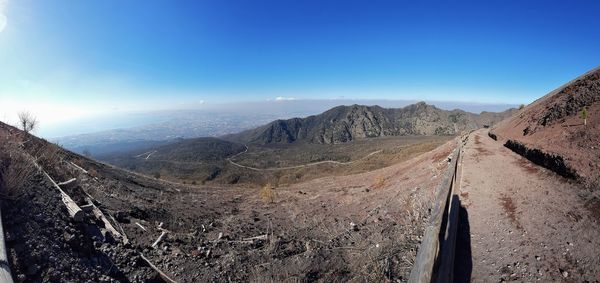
<point>27,121</point>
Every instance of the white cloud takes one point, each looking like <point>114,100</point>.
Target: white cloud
<point>281,98</point>
<point>3,19</point>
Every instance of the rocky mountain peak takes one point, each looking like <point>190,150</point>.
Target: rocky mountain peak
<point>346,123</point>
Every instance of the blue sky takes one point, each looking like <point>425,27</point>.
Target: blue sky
<point>81,57</point>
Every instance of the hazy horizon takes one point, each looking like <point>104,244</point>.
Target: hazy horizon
<point>69,62</point>
<point>277,109</point>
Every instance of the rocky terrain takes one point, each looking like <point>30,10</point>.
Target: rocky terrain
<point>215,161</point>
<point>44,243</point>
<point>340,141</point>
<point>363,227</point>
<point>346,123</point>
<point>522,222</point>
<point>553,127</point>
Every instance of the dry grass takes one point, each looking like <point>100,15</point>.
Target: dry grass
<point>378,183</point>
<point>16,169</point>
<point>267,193</point>
<point>48,156</point>
<point>93,173</point>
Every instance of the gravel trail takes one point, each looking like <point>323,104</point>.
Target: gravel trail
<point>522,222</point>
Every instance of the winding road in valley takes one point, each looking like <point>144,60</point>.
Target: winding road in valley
<point>230,159</point>
<point>147,155</point>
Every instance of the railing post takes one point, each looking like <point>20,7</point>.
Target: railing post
<point>5,276</point>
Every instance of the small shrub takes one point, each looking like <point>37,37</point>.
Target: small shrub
<point>15,171</point>
<point>378,183</point>
<point>93,173</point>
<point>267,193</point>
<point>584,115</point>
<point>156,175</point>
<point>521,106</point>
<point>48,156</point>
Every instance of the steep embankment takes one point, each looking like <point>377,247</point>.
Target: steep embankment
<point>347,123</point>
<point>363,227</point>
<point>551,131</point>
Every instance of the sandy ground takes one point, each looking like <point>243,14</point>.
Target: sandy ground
<point>525,222</point>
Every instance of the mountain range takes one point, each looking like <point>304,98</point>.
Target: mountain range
<point>346,123</point>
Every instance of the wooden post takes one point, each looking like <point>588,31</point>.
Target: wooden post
<point>4,267</point>
<point>448,247</point>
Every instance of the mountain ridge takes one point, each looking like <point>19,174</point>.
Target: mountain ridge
<point>346,123</point>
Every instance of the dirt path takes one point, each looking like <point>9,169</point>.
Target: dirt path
<point>296,166</point>
<point>147,154</point>
<point>525,222</point>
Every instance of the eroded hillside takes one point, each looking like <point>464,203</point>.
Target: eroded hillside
<point>360,227</point>
<point>553,125</point>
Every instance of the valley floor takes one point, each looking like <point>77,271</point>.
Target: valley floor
<point>522,222</point>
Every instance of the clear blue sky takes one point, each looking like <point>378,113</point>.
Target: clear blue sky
<point>113,54</point>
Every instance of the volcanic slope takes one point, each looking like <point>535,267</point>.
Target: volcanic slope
<point>363,227</point>
<point>552,132</point>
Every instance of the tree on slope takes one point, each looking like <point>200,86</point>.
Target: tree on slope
<point>584,115</point>
<point>27,121</point>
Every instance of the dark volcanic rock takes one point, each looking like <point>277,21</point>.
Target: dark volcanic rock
<point>583,92</point>
<point>553,162</point>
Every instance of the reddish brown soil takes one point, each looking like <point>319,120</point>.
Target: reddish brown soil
<point>510,209</point>
<point>553,125</point>
<point>527,165</point>
<point>525,225</point>
<point>328,229</point>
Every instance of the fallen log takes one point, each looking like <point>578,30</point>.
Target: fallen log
<point>76,166</point>
<point>140,225</point>
<point>4,267</point>
<point>261,237</point>
<point>74,210</point>
<point>67,182</point>
<point>125,238</point>
<point>162,274</point>
<point>98,213</point>
<point>87,208</point>
<point>160,238</point>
